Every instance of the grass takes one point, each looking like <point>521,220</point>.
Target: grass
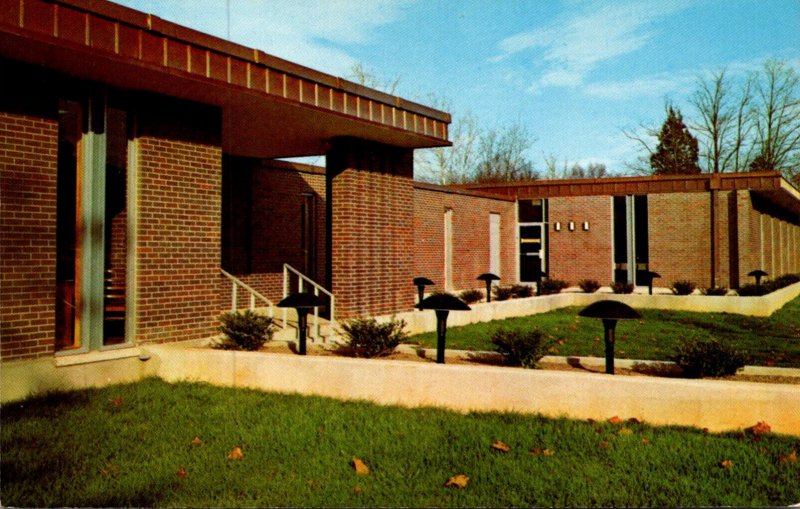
<point>124,446</point>
<point>771,341</point>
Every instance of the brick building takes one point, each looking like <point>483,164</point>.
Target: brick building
<point>138,158</point>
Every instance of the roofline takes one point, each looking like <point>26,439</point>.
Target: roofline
<point>152,23</point>
<point>457,190</point>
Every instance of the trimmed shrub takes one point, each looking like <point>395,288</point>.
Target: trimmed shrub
<point>785,280</point>
<point>521,348</point>
<point>521,291</point>
<point>621,287</point>
<point>702,358</point>
<point>588,285</point>
<point>502,292</point>
<point>245,330</point>
<point>365,337</point>
<point>551,286</point>
<point>714,291</point>
<point>683,287</point>
<point>471,296</point>
<point>753,290</point>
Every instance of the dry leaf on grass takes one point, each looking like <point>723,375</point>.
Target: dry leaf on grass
<point>459,481</point>
<point>726,464</point>
<point>360,467</point>
<point>182,473</point>
<point>615,420</point>
<point>235,454</point>
<point>497,445</point>
<point>116,402</point>
<point>625,431</point>
<point>197,441</point>
<point>758,429</point>
<point>787,458</point>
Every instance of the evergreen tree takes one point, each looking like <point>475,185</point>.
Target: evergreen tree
<point>677,149</point>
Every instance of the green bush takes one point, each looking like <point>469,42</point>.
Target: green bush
<point>621,287</point>
<point>551,286</point>
<point>753,290</point>
<point>471,296</point>
<point>521,291</point>
<point>502,292</point>
<point>715,290</point>
<point>702,358</point>
<point>245,330</point>
<point>588,285</point>
<point>521,348</point>
<point>368,338</point>
<point>683,287</point>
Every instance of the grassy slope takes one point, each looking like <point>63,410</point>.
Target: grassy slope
<point>82,449</point>
<point>768,341</point>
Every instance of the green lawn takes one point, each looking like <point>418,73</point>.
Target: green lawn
<point>126,445</point>
<point>772,341</point>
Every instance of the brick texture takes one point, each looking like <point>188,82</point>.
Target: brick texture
<point>28,170</point>
<point>581,254</point>
<point>370,195</point>
<point>470,227</point>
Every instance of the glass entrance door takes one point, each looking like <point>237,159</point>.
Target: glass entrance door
<point>532,215</point>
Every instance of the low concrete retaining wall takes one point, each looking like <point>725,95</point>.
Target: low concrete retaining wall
<point>425,321</point>
<point>716,405</point>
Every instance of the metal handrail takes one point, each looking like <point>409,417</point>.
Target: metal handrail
<point>254,294</point>
<point>317,289</point>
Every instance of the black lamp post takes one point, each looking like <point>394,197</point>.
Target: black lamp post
<point>758,274</point>
<point>302,302</point>
<point>442,303</point>
<point>488,277</point>
<point>609,311</point>
<point>421,283</point>
<point>650,277</point>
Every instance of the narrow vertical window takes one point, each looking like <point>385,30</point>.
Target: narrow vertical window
<point>494,243</point>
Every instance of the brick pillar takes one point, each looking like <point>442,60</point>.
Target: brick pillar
<point>371,215</point>
<point>28,170</point>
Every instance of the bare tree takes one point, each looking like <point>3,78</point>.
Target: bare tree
<point>575,171</point>
<point>369,78</point>
<point>777,119</point>
<point>501,155</point>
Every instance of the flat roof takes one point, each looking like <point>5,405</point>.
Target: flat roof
<point>271,107</point>
<point>768,184</point>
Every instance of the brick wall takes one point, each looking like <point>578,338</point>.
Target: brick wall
<point>269,199</point>
<point>28,170</point>
<point>580,254</point>
<point>680,237</point>
<point>370,197</point>
<point>178,231</point>
<point>470,223</point>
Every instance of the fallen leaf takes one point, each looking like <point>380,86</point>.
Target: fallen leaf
<point>497,445</point>
<point>625,431</point>
<point>535,451</point>
<point>615,420</point>
<point>598,430</point>
<point>459,481</point>
<point>235,454</point>
<point>116,402</point>
<point>360,467</point>
<point>759,428</point>
<point>197,441</point>
<point>357,489</point>
<point>182,473</point>
<point>787,458</point>
<point>110,470</point>
<point>603,444</point>
<point>645,441</point>
<point>726,464</point>
<point>548,452</point>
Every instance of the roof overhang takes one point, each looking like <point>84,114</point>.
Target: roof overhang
<point>769,185</point>
<point>270,107</point>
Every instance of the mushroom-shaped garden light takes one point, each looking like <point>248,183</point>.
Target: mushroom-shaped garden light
<point>421,283</point>
<point>302,302</point>
<point>442,303</point>
<point>650,277</point>
<point>609,311</point>
<point>488,277</point>
<point>758,274</point>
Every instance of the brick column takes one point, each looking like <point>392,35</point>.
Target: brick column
<point>371,214</point>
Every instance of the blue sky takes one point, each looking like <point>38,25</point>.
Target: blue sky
<point>575,73</point>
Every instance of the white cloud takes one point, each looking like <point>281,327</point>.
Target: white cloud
<point>569,48</point>
<point>311,33</point>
